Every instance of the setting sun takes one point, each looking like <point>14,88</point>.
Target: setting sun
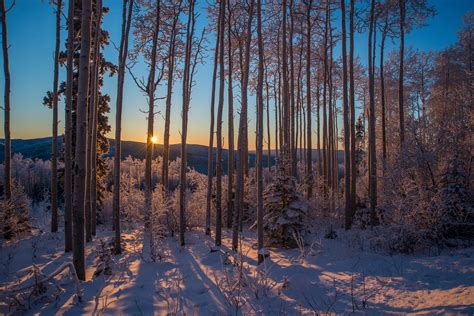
<point>154,139</point>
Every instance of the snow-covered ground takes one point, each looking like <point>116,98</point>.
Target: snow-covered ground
<point>332,276</point>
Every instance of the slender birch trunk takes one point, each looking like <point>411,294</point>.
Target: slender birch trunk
<point>352,108</point>
<point>309,148</point>
<point>345,106</point>
<point>126,22</point>
<point>187,82</point>
<point>68,132</point>
<point>260,245</point>
<point>151,88</point>
<point>210,155</point>
<point>81,142</point>
<point>54,149</point>
<point>6,71</point>
<point>230,96</point>
<point>372,153</point>
<point>169,94</point>
<point>401,117</point>
<point>219,126</point>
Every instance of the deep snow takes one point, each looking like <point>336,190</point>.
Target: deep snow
<point>333,276</point>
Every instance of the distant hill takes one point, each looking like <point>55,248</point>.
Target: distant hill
<point>40,148</point>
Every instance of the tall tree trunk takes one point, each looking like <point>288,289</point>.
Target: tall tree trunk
<point>286,105</point>
<point>54,149</point>
<point>352,108</point>
<point>68,131</point>
<point>169,94</point>
<point>260,245</point>
<point>309,148</point>
<point>293,140</point>
<point>81,141</point>
<point>126,22</point>
<point>96,103</point>
<point>92,122</point>
<point>372,153</point>
<point>241,136</point>
<point>151,88</point>
<point>6,71</point>
<point>401,4</point>
<point>382,93</point>
<point>187,82</point>
<point>267,96</point>
<point>318,122</point>
<point>230,113</point>
<point>325,127</point>
<point>345,106</point>
<point>210,155</point>
<point>220,107</point>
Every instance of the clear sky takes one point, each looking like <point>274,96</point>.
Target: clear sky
<point>31,27</point>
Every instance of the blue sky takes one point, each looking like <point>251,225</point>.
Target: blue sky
<point>31,37</point>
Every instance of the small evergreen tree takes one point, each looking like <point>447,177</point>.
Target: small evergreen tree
<point>286,212</point>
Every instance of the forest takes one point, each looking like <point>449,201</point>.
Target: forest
<point>336,175</point>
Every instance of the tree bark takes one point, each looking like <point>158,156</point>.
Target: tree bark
<point>96,102</point>
<point>68,132</point>
<point>126,22</point>
<point>210,155</point>
<point>230,95</point>
<point>309,149</point>
<point>372,153</point>
<point>6,71</point>
<point>219,126</point>
<point>352,108</point>
<point>260,245</point>
<point>54,148</point>
<point>169,93</point>
<point>151,88</point>
<point>345,105</point>
<point>186,98</point>
<point>401,4</point>
<point>81,142</point>
<point>241,155</point>
<point>382,93</point>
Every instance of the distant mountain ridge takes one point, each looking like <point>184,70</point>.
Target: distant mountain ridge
<point>40,148</point>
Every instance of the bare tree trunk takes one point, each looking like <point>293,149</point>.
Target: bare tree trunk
<point>210,155</point>
<point>372,153</point>
<point>401,4</point>
<point>96,103</point>
<point>92,122</point>
<point>286,105</point>
<point>54,149</point>
<point>151,88</point>
<point>352,109</point>
<point>382,93</point>
<point>325,127</point>
<point>293,140</point>
<point>169,94</point>
<point>187,82</point>
<point>345,106</point>
<point>318,122</point>
<point>267,96</point>
<point>126,22</point>
<point>309,149</point>
<point>6,72</point>
<point>68,132</point>
<point>260,245</point>
<point>230,95</point>
<point>81,142</point>
<point>219,126</point>
<point>241,137</point>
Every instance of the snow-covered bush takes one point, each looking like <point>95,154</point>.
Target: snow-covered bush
<point>15,213</point>
<point>286,212</point>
